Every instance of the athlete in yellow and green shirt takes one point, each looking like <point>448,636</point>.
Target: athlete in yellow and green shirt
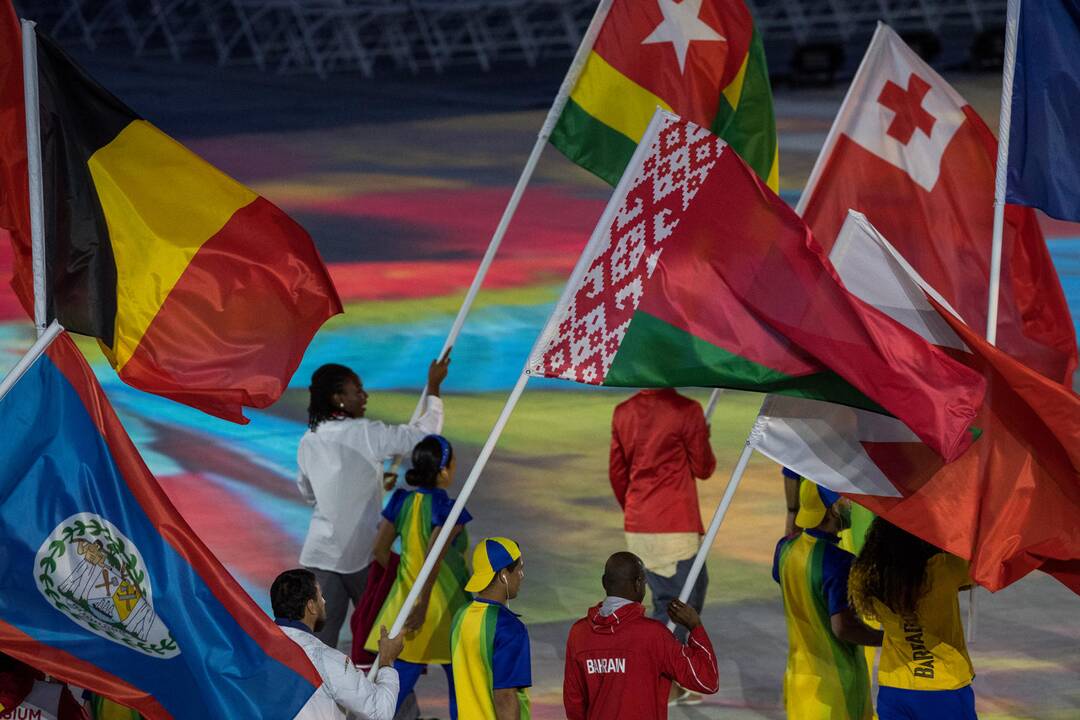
<point>911,587</point>
<point>490,645</point>
<point>826,676</point>
<point>416,517</point>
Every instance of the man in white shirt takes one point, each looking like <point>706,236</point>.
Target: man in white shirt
<point>299,609</point>
<point>341,469</point>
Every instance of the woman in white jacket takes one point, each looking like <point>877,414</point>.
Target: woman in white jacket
<point>341,475</point>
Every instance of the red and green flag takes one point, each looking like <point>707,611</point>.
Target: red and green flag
<point>699,275</point>
<point>700,59</point>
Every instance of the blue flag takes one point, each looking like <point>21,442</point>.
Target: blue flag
<point>104,585</point>
<point>1044,152</point>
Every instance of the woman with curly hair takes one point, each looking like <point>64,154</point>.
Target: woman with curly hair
<point>911,587</point>
<point>341,476</point>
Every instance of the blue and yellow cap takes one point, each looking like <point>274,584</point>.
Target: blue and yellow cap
<point>814,501</point>
<point>489,557</point>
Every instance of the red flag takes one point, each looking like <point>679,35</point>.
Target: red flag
<point>909,152</point>
<point>1009,504</point>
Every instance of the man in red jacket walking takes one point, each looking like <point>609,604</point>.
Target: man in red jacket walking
<point>659,445</point>
<point>620,664</point>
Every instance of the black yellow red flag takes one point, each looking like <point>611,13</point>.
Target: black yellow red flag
<point>198,289</point>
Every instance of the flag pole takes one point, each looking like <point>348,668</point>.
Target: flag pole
<point>27,360</point>
<point>33,168</point>
<point>557,106</point>
<point>714,526</point>
<point>834,131</point>
<point>1012,24</point>
<point>710,407</point>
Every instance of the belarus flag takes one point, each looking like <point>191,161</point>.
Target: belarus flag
<point>1009,503</point>
<point>698,274</point>
<point>908,152</point>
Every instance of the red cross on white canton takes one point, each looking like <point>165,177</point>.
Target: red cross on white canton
<point>589,334</point>
<point>907,104</point>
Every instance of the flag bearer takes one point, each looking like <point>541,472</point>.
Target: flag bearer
<point>341,475</point>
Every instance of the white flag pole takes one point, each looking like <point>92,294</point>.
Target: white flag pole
<point>1012,24</point>
<point>33,166</point>
<point>27,360</point>
<point>596,241</point>
<point>710,407</point>
<point>557,107</point>
<point>834,131</point>
<point>714,526</point>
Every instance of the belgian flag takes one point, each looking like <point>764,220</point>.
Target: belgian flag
<point>197,288</point>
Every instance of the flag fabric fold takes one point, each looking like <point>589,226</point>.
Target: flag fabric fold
<point>701,59</point>
<point>1044,170</point>
<point>103,583</point>
<point>1008,504</point>
<point>197,288</point>
<point>912,155</point>
<point>698,274</point>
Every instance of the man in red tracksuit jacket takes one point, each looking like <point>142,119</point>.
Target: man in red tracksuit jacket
<point>620,664</point>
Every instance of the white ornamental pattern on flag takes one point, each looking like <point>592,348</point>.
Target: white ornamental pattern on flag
<point>589,333</point>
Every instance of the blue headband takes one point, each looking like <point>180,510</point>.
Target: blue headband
<point>445,445</point>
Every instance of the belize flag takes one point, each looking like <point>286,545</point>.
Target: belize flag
<point>104,585</point>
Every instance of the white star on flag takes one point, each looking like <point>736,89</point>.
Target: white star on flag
<point>680,27</point>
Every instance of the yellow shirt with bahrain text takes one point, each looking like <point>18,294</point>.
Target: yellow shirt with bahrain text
<point>926,651</point>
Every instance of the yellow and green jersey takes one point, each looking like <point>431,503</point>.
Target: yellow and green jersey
<point>415,515</point>
<point>826,678</point>
<point>490,648</point>
<point>926,651</point>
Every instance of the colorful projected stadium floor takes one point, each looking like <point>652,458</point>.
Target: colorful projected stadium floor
<point>402,207</point>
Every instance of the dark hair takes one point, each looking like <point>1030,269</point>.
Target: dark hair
<point>427,461</point>
<point>290,593</point>
<point>325,383</point>
<point>891,568</point>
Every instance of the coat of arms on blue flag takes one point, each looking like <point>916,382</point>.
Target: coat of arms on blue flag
<point>93,574</point>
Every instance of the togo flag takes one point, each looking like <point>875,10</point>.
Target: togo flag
<point>698,274</point>
<point>701,59</point>
<point>103,584</point>
<point>1044,161</point>
<point>1008,504</point>
<point>197,288</point>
